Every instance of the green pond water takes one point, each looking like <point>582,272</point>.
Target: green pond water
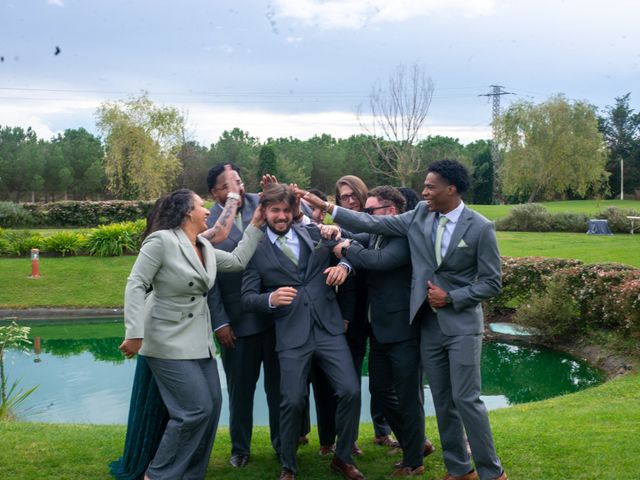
<point>83,378</point>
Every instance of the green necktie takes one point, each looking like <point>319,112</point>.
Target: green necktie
<point>439,234</point>
<point>282,240</point>
<point>239,221</point>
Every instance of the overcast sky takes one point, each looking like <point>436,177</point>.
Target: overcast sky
<point>297,68</point>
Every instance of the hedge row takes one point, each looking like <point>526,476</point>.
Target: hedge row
<point>534,217</point>
<point>72,213</point>
<point>566,298</point>
<point>103,241</point>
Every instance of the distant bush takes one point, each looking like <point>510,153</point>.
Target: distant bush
<point>15,215</point>
<point>65,243</point>
<point>4,243</point>
<point>530,217</point>
<point>569,222</point>
<point>113,240</point>
<point>617,218</point>
<point>86,214</point>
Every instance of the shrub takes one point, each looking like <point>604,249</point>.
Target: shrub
<point>524,276</point>
<point>553,312</point>
<point>14,215</point>
<point>617,218</point>
<point>112,240</point>
<point>530,217</point>
<point>65,243</point>
<point>569,222</point>
<point>87,214</point>
<point>21,242</point>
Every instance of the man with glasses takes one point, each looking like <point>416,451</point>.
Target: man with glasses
<point>394,355</point>
<point>247,340</point>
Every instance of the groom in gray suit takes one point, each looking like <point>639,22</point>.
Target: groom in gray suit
<point>456,266</point>
<point>286,279</point>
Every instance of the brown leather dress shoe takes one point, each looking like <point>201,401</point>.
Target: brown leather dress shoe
<point>347,470</point>
<point>428,448</point>
<point>356,451</point>
<point>303,440</point>
<point>286,474</point>
<point>386,441</point>
<point>403,471</point>
<point>327,450</point>
<point>503,476</point>
<point>472,475</point>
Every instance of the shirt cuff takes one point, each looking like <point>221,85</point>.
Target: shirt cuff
<point>334,212</point>
<point>221,326</point>
<point>270,304</point>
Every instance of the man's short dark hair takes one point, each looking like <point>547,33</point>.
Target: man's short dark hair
<point>453,172</point>
<point>276,193</point>
<point>318,193</point>
<point>216,171</point>
<point>389,194</point>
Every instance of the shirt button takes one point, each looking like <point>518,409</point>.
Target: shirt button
<point>191,284</point>
<point>190,315</point>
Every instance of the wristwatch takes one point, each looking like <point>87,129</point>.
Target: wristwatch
<point>448,299</point>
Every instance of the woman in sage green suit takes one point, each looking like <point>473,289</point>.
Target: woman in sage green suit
<point>167,320</point>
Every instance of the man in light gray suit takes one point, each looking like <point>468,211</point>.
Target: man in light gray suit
<point>286,280</point>
<point>456,266</point>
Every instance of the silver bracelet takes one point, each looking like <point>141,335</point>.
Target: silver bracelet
<point>233,196</point>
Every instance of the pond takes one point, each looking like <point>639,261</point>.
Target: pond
<point>83,378</point>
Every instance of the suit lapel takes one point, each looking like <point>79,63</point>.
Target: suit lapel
<point>190,254</point>
<point>461,227</point>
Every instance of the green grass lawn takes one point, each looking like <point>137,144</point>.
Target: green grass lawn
<point>84,282</point>
<point>593,434</point>
<point>589,207</point>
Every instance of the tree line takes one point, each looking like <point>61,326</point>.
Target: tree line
<point>556,149</point>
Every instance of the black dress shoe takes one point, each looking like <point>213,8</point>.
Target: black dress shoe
<point>238,461</point>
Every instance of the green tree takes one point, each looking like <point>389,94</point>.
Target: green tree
<point>621,129</point>
<point>195,162</point>
<point>482,185</point>
<point>552,150</point>
<point>22,158</point>
<point>266,162</point>
<point>82,154</point>
<point>142,143</point>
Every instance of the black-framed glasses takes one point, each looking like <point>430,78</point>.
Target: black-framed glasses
<point>347,197</point>
<point>370,210</point>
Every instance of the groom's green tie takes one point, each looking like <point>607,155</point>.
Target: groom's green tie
<point>282,240</point>
<point>439,234</point>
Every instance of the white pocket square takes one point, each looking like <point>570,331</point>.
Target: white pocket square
<point>462,244</point>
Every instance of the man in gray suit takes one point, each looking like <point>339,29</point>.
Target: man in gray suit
<point>247,339</point>
<point>456,266</point>
<point>394,355</point>
<point>286,279</point>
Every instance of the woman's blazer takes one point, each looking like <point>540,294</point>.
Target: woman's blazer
<point>174,320</point>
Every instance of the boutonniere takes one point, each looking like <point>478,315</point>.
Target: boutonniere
<point>462,244</point>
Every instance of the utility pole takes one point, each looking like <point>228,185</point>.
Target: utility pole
<point>496,92</point>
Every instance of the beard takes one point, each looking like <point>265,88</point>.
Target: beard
<point>280,227</point>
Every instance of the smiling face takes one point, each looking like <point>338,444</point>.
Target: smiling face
<point>441,196</point>
<point>279,217</point>
<point>348,199</point>
<point>198,214</point>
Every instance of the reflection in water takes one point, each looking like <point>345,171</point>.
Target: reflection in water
<point>86,380</point>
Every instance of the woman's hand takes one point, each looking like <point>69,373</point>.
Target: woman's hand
<point>130,346</point>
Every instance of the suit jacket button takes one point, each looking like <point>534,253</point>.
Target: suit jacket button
<point>191,284</point>
<point>204,294</point>
<point>190,315</point>
<point>306,304</point>
<point>193,298</point>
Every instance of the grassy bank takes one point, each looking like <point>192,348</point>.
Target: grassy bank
<point>593,434</point>
<point>99,282</point>
<point>588,207</point>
